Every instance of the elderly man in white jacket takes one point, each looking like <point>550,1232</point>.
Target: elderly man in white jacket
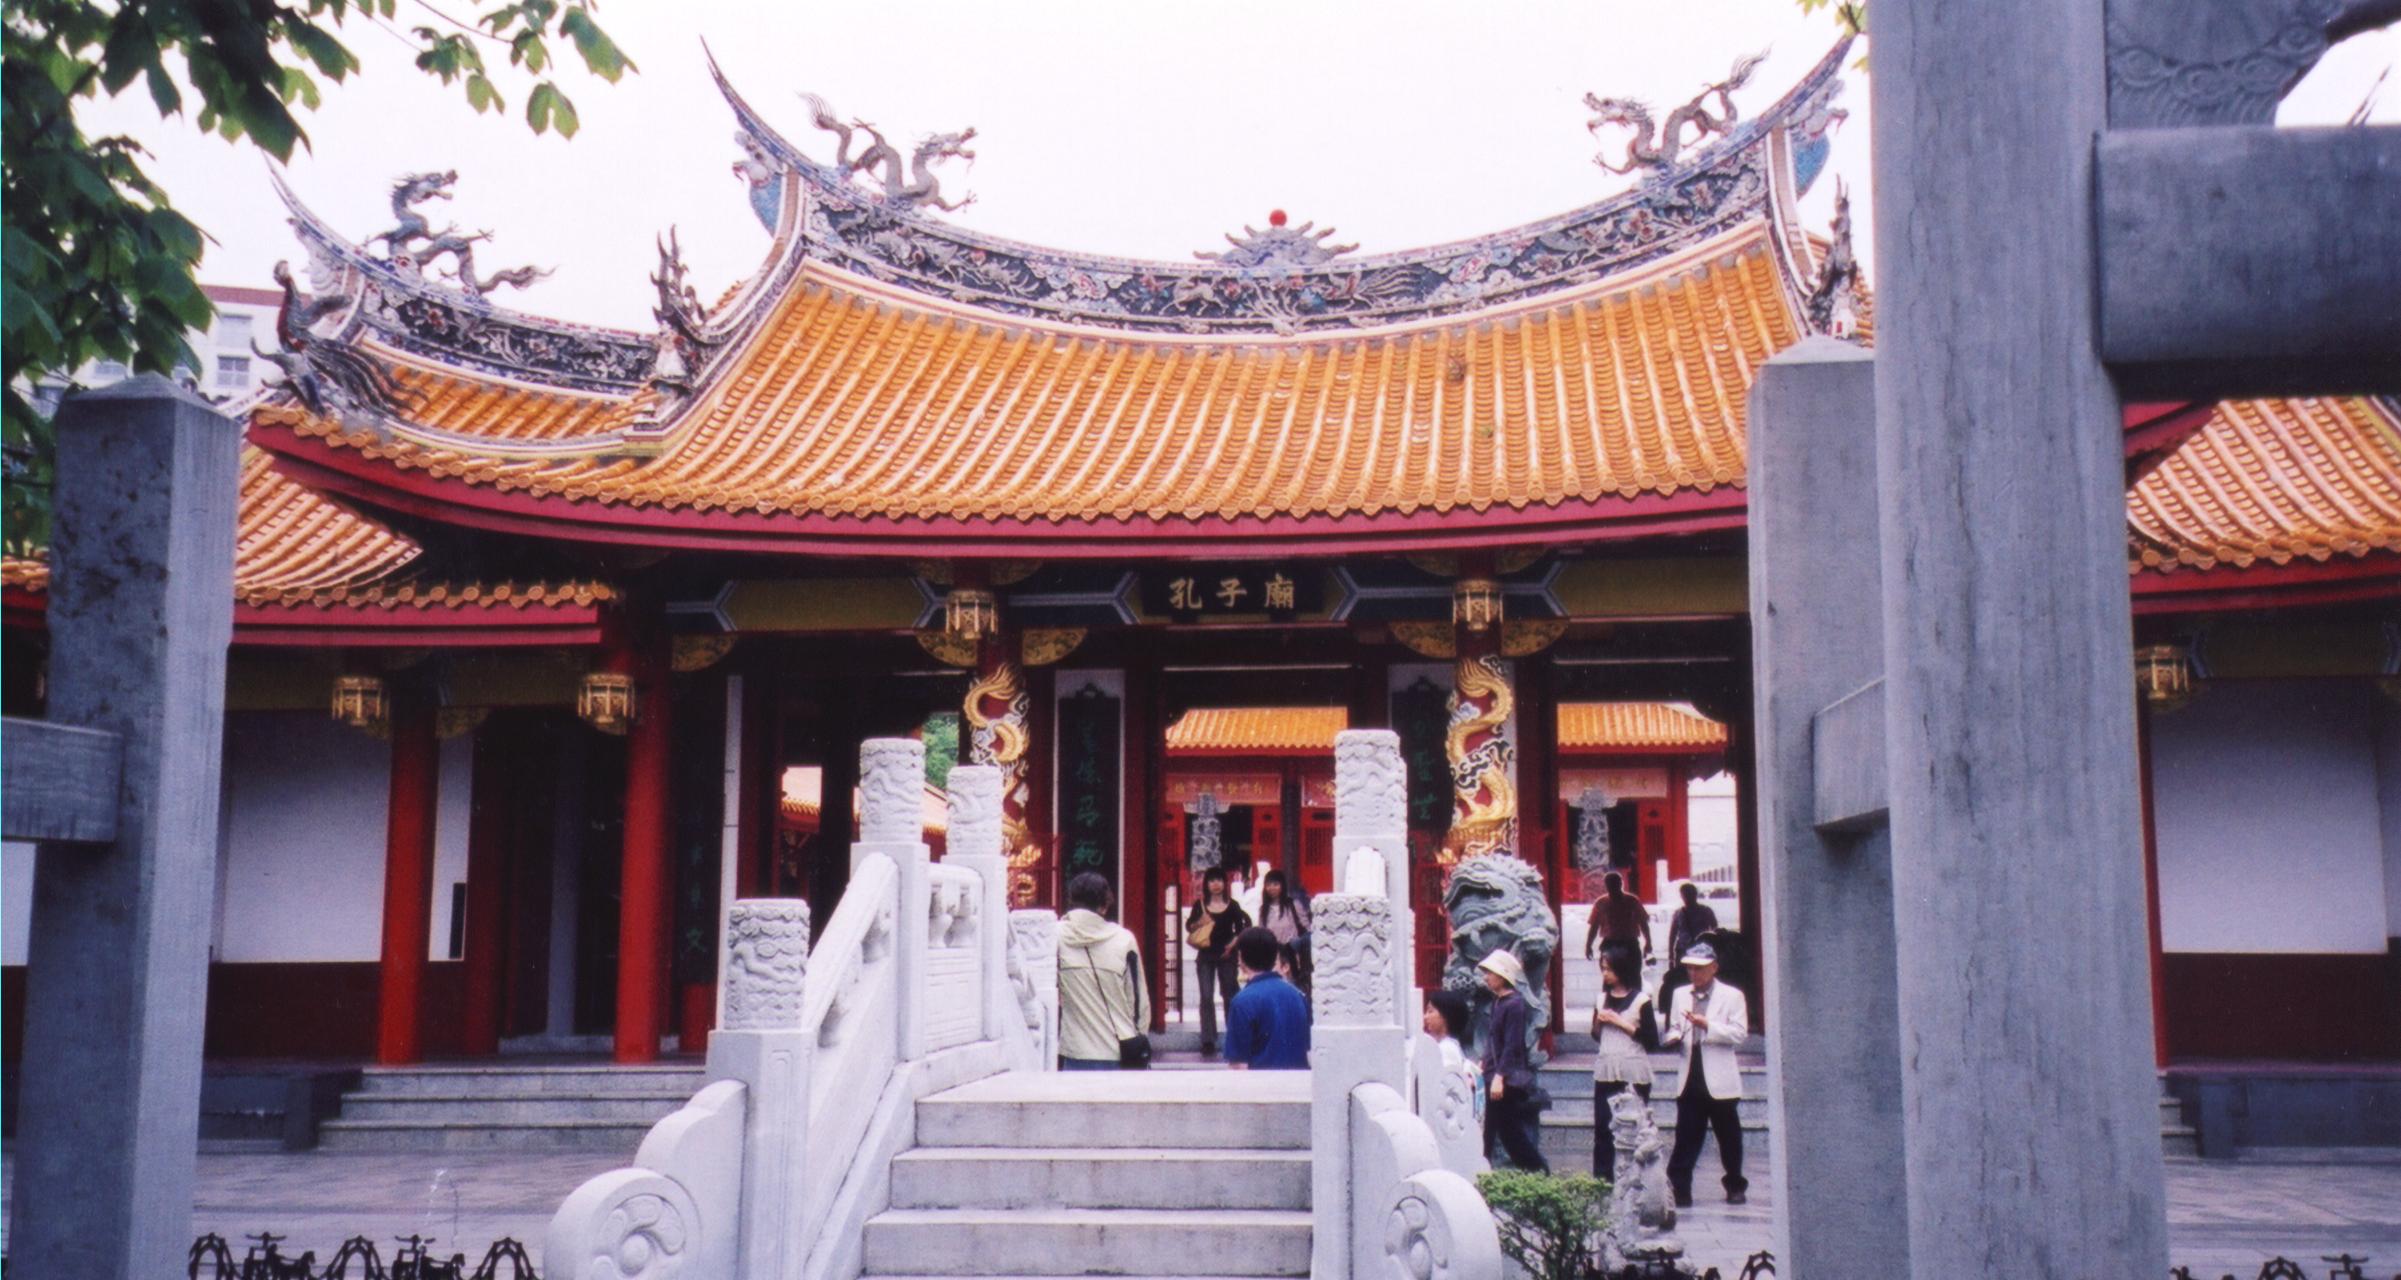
<point>1714,1019</point>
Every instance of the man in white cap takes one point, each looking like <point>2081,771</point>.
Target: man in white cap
<point>1714,1019</point>
<point>1511,1116</point>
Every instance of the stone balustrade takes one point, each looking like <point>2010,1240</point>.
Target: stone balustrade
<point>913,985</point>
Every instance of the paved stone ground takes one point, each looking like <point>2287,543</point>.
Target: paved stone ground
<point>2222,1217</point>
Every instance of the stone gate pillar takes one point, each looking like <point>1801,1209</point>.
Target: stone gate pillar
<point>2029,1099</point>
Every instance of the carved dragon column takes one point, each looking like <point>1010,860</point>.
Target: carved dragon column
<point>998,733</point>
<point>1483,760</point>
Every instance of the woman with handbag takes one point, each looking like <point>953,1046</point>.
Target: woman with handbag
<point>1210,929</point>
<point>1103,1006</point>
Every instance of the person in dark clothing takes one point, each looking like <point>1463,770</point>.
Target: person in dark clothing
<point>1511,1113</point>
<point>1210,928</point>
<point>1685,930</point>
<point>1625,1034</point>
<point>1618,917</point>
<point>1267,1025</point>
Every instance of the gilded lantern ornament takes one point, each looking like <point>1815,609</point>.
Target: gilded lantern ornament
<point>970,614</point>
<point>361,702</point>
<point>1476,604</point>
<point>606,701</point>
<point>2164,675</point>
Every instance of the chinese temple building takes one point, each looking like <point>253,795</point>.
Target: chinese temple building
<point>535,618</point>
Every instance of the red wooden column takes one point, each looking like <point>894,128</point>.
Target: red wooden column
<point>1679,818</point>
<point>408,876</point>
<point>642,903</point>
<point>2159,982</point>
<point>1138,892</point>
<point>490,826</point>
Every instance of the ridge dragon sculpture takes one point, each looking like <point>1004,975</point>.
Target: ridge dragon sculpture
<point>914,186</point>
<point>412,246</point>
<point>327,375</point>
<point>1656,143</point>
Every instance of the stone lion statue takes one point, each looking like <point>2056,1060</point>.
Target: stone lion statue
<point>1496,900</point>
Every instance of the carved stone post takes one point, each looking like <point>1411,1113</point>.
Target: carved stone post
<point>762,1046</point>
<point>1371,811</point>
<point>1034,978</point>
<point>1357,1040</point>
<point>892,823</point>
<point>117,986</point>
<point>974,842</point>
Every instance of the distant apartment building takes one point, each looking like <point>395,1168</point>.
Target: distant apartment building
<point>227,369</point>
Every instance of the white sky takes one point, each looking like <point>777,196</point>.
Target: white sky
<point>1144,129</point>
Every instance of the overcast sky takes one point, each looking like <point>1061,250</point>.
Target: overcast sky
<point>1144,129</point>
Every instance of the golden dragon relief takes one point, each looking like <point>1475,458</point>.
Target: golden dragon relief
<point>1484,818</point>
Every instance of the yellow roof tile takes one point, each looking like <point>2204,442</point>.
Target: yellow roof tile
<point>2274,481</point>
<point>1600,726</point>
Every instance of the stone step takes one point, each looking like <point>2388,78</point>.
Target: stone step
<point>1163,1110</point>
<point>446,1135</point>
<point>1112,1242</point>
<point>1578,1111</point>
<point>1099,1178</point>
<point>487,1081</point>
<point>513,1108</point>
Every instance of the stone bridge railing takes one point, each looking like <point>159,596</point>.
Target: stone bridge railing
<point>1390,1176</point>
<point>914,985</point>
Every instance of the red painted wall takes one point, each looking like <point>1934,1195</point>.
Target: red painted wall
<point>2284,1006</point>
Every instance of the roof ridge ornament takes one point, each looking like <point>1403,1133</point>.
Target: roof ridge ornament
<point>326,374</point>
<point>683,343</point>
<point>1835,296</point>
<point>411,246</point>
<point>1278,246</point>
<point>917,184</point>
<point>1656,143</point>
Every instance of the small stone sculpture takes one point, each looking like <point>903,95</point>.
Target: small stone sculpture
<point>1642,1217</point>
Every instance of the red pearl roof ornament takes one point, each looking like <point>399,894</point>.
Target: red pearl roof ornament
<point>1281,245</point>
<point>1276,218</point>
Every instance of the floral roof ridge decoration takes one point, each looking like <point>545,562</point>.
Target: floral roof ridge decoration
<point>409,312</point>
<point>1701,196</point>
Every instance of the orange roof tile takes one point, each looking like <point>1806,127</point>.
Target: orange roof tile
<point>1602,726</point>
<point>2275,481</point>
<point>848,402</point>
<point>293,548</point>
<point>1257,730</point>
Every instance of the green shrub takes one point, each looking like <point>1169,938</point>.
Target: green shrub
<point>1550,1223</point>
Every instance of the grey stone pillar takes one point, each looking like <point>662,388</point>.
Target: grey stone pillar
<point>1834,1062</point>
<point>2030,1104</point>
<point>117,971</point>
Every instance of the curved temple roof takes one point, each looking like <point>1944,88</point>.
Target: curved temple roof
<point>886,384</point>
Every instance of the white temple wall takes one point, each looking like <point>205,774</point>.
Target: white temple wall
<point>304,849</point>
<point>2388,775</point>
<point>16,899</point>
<point>2272,820</point>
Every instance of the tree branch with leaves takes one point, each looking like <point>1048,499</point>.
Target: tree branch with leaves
<point>98,263</point>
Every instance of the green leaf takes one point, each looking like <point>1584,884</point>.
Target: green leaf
<point>529,52</point>
<point>482,96</point>
<point>600,54</point>
<point>332,59</point>
<point>547,107</point>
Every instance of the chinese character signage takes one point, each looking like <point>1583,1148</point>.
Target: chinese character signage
<point>1088,789</point>
<point>1224,590</point>
<point>1421,715</point>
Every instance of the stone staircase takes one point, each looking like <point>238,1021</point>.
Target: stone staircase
<point>1567,1127</point>
<point>1150,1173</point>
<point>508,1107</point>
